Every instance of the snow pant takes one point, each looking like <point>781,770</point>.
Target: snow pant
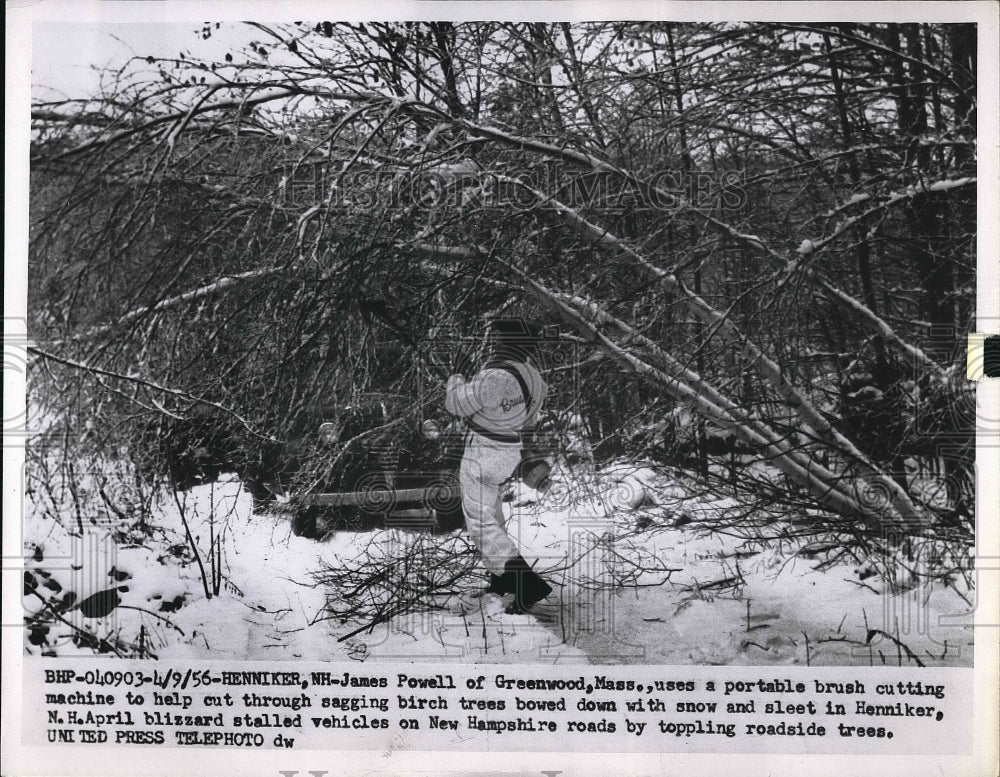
<point>486,464</point>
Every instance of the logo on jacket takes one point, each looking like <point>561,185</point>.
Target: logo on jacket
<point>509,404</point>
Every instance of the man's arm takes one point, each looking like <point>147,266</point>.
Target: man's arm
<point>484,392</point>
<point>461,398</point>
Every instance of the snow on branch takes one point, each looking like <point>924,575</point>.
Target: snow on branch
<point>259,95</point>
<point>893,198</point>
<point>875,46</point>
<point>222,284</point>
<point>100,371</point>
<point>794,464</point>
<point>772,371</point>
<point>944,185</point>
<point>914,355</point>
<point>778,443</point>
<point>874,322</point>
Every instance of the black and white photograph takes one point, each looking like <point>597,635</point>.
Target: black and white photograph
<point>503,343</point>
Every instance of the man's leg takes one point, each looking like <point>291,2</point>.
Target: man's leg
<point>527,585</point>
<point>480,500</point>
<point>483,470</point>
<point>499,584</point>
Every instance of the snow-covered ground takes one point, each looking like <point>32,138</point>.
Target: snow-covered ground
<point>638,579</point>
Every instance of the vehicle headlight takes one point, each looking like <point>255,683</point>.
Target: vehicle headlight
<point>328,433</point>
<point>431,429</point>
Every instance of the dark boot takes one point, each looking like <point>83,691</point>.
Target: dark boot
<point>497,585</point>
<point>528,588</point>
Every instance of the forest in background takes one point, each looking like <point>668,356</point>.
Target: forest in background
<point>754,244</point>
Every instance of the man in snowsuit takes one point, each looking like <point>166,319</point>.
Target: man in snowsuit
<point>503,399</point>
